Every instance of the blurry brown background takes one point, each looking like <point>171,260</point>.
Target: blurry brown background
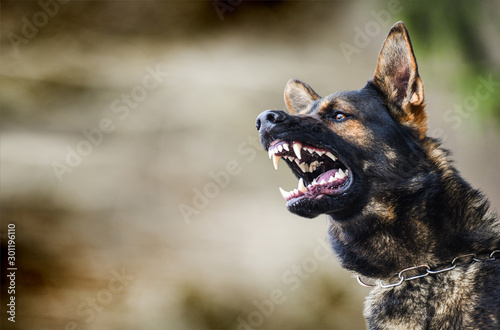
<point>131,169</point>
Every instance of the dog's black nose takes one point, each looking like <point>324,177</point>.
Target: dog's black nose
<point>270,118</point>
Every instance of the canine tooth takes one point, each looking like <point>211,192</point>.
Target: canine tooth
<point>301,186</point>
<point>296,148</point>
<point>304,168</point>
<point>332,178</point>
<point>280,148</point>
<point>329,154</point>
<point>276,159</point>
<point>285,146</point>
<point>270,153</point>
<point>284,193</point>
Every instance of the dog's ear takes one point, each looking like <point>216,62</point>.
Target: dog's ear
<point>397,78</point>
<point>298,96</point>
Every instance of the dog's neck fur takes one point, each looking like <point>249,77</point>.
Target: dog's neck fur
<point>460,226</point>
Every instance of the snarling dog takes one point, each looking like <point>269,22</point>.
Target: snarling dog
<point>401,217</point>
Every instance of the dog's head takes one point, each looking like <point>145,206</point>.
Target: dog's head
<point>350,145</point>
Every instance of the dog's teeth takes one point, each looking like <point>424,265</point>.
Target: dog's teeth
<point>270,153</point>
<point>329,154</point>
<point>314,166</point>
<point>280,148</point>
<point>319,152</point>
<point>276,159</point>
<point>346,172</point>
<point>342,174</point>
<point>301,186</point>
<point>297,147</point>
<point>314,182</point>
<point>310,167</point>
<point>323,181</point>
<point>284,193</point>
<point>304,167</point>
<point>338,175</point>
<point>285,146</point>
<point>332,178</point>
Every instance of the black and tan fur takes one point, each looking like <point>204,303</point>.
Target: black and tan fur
<point>403,203</point>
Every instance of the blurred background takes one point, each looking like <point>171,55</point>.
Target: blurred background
<point>131,168</point>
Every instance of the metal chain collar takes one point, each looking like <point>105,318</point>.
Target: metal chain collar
<point>426,270</point>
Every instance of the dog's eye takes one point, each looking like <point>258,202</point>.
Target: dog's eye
<point>339,116</point>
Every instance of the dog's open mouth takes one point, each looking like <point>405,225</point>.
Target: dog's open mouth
<point>320,171</point>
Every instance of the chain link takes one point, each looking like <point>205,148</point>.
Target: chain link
<point>466,259</point>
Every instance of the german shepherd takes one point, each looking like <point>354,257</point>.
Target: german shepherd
<point>400,216</point>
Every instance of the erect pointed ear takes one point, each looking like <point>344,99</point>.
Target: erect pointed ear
<point>298,96</point>
<point>397,78</point>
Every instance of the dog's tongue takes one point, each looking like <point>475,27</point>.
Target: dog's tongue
<point>327,175</point>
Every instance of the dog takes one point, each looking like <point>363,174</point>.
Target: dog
<point>400,216</point>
